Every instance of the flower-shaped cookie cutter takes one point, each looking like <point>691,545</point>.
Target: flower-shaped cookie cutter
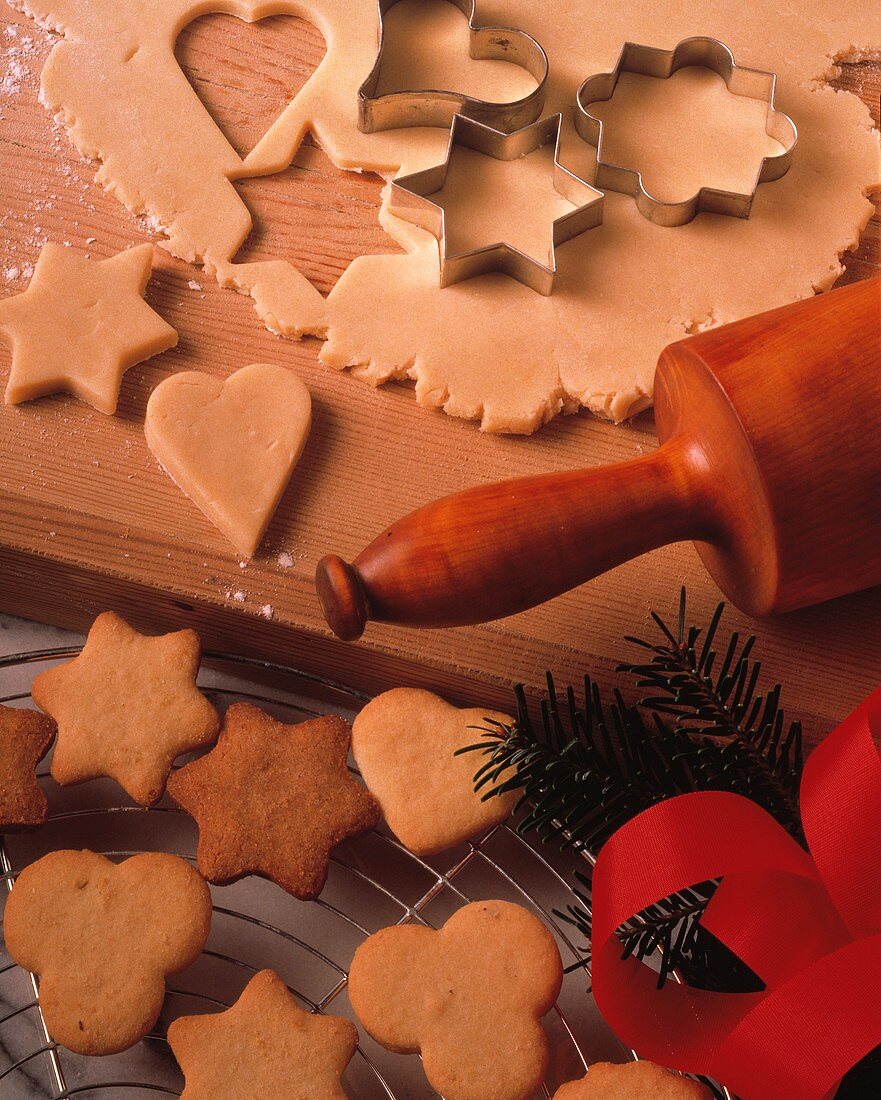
<point>410,199</point>
<point>708,53</point>
<point>432,107</point>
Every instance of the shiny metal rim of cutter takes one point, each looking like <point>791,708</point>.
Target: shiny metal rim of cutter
<point>431,107</point>
<point>707,53</point>
<point>410,200</point>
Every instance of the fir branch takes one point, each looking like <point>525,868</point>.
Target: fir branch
<point>670,933</point>
<point>722,703</point>
<point>583,782</point>
<point>586,770</point>
<point>580,784</point>
<point>583,778</point>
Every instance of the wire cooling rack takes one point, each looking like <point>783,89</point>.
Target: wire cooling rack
<point>374,882</point>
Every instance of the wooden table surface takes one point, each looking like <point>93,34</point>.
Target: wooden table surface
<point>88,521</point>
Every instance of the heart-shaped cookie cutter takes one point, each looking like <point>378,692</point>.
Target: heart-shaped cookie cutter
<point>431,107</point>
<point>708,53</point>
<point>411,200</point>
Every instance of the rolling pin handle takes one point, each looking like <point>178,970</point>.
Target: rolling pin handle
<point>342,597</point>
<point>781,516</point>
<point>498,549</point>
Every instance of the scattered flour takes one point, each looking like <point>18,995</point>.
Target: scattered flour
<point>15,73</point>
<point>267,611</point>
<point>285,560</point>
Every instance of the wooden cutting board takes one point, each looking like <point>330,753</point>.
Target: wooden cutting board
<point>88,521</point>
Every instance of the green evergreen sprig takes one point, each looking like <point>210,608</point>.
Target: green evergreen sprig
<point>583,776</point>
<point>586,768</point>
<point>718,698</point>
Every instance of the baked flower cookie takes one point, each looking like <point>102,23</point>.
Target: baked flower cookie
<point>126,707</point>
<point>632,1081</point>
<point>274,800</point>
<point>264,1046</point>
<point>404,743</point>
<point>469,998</point>
<point>103,937</point>
<point>25,737</point>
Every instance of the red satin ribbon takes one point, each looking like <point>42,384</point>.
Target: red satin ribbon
<point>808,924</point>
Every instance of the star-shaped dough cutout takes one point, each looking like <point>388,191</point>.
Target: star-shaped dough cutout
<point>25,736</point>
<point>80,325</point>
<point>265,1045</point>
<point>274,800</point>
<point>126,707</point>
<point>499,202</point>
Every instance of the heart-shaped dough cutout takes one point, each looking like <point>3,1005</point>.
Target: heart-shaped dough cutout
<point>231,446</point>
<point>405,743</point>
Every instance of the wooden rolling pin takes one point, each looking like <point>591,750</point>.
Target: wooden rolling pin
<point>770,461</point>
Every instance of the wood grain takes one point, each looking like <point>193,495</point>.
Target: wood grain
<point>88,521</point>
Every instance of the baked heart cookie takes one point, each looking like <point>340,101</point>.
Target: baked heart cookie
<point>126,707</point>
<point>25,737</point>
<point>469,997</point>
<point>274,800</point>
<point>264,1046</point>
<point>103,937</point>
<point>632,1081</point>
<point>404,743</point>
<point>231,445</point>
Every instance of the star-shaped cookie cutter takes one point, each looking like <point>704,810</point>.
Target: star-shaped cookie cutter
<point>708,53</point>
<point>410,200</point>
<point>432,107</point>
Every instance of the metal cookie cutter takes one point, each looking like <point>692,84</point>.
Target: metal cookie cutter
<point>410,199</point>
<point>709,53</point>
<point>396,110</point>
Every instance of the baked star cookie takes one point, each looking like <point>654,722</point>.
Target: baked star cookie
<point>126,707</point>
<point>274,800</point>
<point>405,743</point>
<point>469,997</point>
<point>633,1081</point>
<point>264,1046</point>
<point>103,937</point>
<point>25,737</point>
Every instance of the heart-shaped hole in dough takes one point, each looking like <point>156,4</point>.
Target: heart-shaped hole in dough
<point>246,73</point>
